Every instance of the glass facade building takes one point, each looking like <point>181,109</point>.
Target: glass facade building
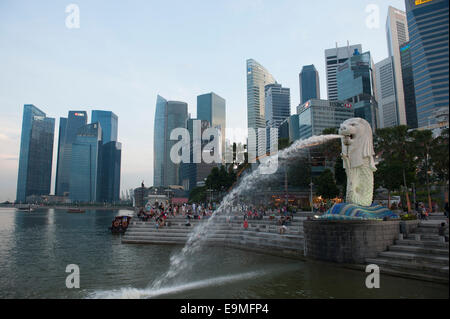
<point>85,164</point>
<point>333,59</point>
<point>192,174</point>
<point>294,128</point>
<point>69,127</point>
<point>257,78</point>
<point>428,24</point>
<point>397,35</point>
<point>111,154</point>
<point>356,87</point>
<point>212,108</point>
<point>109,123</point>
<point>408,86</point>
<point>36,153</point>
<point>309,84</point>
<point>277,110</point>
<point>168,116</point>
<point>318,115</point>
<point>386,93</point>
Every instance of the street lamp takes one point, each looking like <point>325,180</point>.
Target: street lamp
<point>311,195</point>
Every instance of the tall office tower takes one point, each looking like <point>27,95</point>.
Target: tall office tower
<point>397,35</point>
<point>356,87</point>
<point>86,162</point>
<point>386,93</point>
<point>111,154</point>
<point>109,123</point>
<point>294,128</point>
<point>428,32</point>
<point>277,109</point>
<point>318,115</point>
<point>61,135</point>
<point>212,108</point>
<point>36,153</point>
<point>333,59</point>
<point>309,83</point>
<point>168,116</point>
<point>75,121</point>
<point>195,172</point>
<point>408,86</point>
<point>257,78</point>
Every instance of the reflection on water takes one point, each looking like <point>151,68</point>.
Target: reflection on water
<point>36,247</point>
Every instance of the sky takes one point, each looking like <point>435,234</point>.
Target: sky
<point>125,53</point>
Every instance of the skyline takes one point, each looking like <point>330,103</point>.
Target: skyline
<point>117,61</point>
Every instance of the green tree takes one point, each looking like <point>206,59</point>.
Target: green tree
<point>198,195</point>
<point>422,142</point>
<point>394,146</point>
<point>326,185</point>
<point>283,143</point>
<point>439,154</point>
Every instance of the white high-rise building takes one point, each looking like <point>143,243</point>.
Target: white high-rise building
<point>257,78</point>
<point>397,35</point>
<point>385,93</point>
<point>333,59</point>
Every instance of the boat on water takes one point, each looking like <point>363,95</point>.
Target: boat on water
<point>120,224</point>
<point>24,208</point>
<point>76,210</point>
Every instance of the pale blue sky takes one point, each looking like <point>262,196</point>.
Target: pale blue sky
<point>127,52</point>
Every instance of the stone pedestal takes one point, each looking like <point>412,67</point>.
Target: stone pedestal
<point>349,241</point>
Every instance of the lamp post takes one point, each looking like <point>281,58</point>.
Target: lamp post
<point>311,195</point>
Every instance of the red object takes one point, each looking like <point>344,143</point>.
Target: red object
<point>180,200</point>
<point>245,224</point>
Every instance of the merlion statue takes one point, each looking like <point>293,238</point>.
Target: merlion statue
<point>357,155</point>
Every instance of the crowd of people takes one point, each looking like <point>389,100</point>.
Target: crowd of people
<point>161,213</point>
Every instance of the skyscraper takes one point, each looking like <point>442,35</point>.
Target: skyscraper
<point>333,59</point>
<point>109,123</point>
<point>75,120</point>
<point>36,153</point>
<point>397,35</point>
<point>318,115</point>
<point>111,154</point>
<point>212,108</point>
<point>277,109</point>
<point>386,93</point>
<point>428,31</point>
<point>356,87</point>
<point>86,161</point>
<point>257,78</point>
<point>168,116</point>
<point>408,86</point>
<point>309,83</point>
<point>194,173</point>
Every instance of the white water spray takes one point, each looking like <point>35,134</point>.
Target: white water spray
<point>180,262</point>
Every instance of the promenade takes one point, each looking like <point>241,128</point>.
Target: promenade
<point>421,254</point>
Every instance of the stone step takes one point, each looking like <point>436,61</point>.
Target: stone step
<point>425,237</point>
<point>240,236</point>
<point>419,243</point>
<point>214,230</point>
<point>415,257</point>
<point>420,250</point>
<point>405,266</point>
<point>426,230</point>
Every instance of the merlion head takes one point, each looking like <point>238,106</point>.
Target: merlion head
<point>357,142</point>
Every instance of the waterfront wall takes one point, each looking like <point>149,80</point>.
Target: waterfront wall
<point>348,241</point>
